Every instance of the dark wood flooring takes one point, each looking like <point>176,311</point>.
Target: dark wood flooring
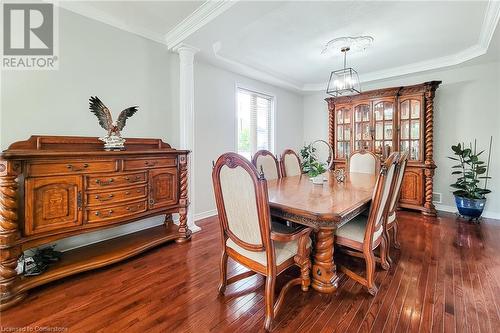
<point>446,278</point>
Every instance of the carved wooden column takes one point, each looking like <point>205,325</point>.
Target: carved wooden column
<point>429,94</point>
<point>186,117</point>
<point>9,234</point>
<point>331,127</point>
<point>184,232</point>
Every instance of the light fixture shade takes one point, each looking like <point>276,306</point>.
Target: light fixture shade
<point>343,82</point>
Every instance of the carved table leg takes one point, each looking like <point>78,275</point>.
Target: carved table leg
<point>9,234</point>
<point>324,275</point>
<point>184,232</point>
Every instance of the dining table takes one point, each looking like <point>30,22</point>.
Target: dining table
<point>323,207</point>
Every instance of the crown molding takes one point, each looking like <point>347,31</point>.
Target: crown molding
<point>208,11</point>
<point>253,72</point>
<point>92,13</point>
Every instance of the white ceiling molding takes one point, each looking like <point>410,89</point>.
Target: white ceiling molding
<point>97,15</point>
<point>253,72</point>
<point>208,11</point>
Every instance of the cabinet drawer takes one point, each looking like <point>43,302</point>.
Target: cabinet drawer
<point>71,167</point>
<point>111,197</point>
<point>147,163</point>
<point>115,180</point>
<point>101,214</point>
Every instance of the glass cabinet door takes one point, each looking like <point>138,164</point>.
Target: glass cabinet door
<point>362,127</point>
<point>343,133</point>
<point>383,113</point>
<point>410,118</point>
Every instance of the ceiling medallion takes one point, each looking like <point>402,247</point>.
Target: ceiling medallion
<point>345,81</point>
<point>355,44</point>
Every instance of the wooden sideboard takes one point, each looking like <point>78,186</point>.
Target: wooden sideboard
<point>54,187</point>
<point>392,119</point>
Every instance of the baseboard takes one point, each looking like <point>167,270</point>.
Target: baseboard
<point>453,209</point>
<point>204,215</point>
<point>127,229</point>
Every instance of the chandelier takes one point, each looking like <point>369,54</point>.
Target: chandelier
<point>345,81</point>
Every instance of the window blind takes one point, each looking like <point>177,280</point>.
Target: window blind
<point>255,127</point>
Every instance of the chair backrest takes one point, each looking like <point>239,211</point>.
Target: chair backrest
<point>400,171</point>
<point>380,200</point>
<point>265,160</point>
<point>290,164</point>
<point>363,162</point>
<point>242,204</point>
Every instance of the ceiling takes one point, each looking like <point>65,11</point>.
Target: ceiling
<point>281,41</point>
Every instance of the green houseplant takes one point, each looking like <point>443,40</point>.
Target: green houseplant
<point>470,171</point>
<point>311,165</point>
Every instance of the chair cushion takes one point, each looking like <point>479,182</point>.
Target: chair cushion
<point>283,250</point>
<point>355,230</point>
<point>391,218</point>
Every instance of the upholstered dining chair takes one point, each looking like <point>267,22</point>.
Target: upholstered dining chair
<point>363,234</point>
<point>290,164</point>
<point>363,161</point>
<point>264,160</point>
<point>392,223</point>
<point>248,235</point>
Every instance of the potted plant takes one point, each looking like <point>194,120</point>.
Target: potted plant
<point>308,156</point>
<point>469,193</point>
<point>316,171</point>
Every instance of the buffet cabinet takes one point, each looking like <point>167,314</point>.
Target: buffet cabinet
<point>386,120</point>
<point>56,187</point>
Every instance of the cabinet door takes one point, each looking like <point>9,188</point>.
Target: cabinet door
<point>343,132</point>
<point>412,187</point>
<point>162,188</point>
<point>363,131</point>
<point>383,115</point>
<point>410,124</point>
<point>53,203</point>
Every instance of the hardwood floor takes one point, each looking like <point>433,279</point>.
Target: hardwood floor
<point>445,278</point>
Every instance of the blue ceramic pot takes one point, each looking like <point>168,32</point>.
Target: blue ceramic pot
<point>472,208</point>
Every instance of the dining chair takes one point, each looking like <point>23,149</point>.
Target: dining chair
<point>264,160</point>
<point>250,237</point>
<point>363,234</point>
<point>363,161</point>
<point>290,164</point>
<point>392,223</point>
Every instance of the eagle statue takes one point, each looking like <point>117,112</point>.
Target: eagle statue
<point>113,140</point>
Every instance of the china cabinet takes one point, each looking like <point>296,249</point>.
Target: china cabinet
<point>386,120</point>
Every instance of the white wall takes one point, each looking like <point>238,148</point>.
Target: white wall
<point>467,106</point>
<point>215,125</point>
<point>95,59</point>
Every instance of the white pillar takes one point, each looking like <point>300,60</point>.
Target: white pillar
<point>186,117</point>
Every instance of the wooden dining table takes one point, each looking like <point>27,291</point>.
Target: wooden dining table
<point>323,207</point>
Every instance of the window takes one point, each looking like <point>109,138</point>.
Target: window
<point>255,122</point>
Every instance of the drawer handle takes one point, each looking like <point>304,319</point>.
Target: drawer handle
<point>149,163</point>
<point>103,182</point>
<point>136,179</point>
<point>134,209</point>
<point>136,191</point>
<point>72,167</point>
<point>104,199</point>
<point>98,213</point>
